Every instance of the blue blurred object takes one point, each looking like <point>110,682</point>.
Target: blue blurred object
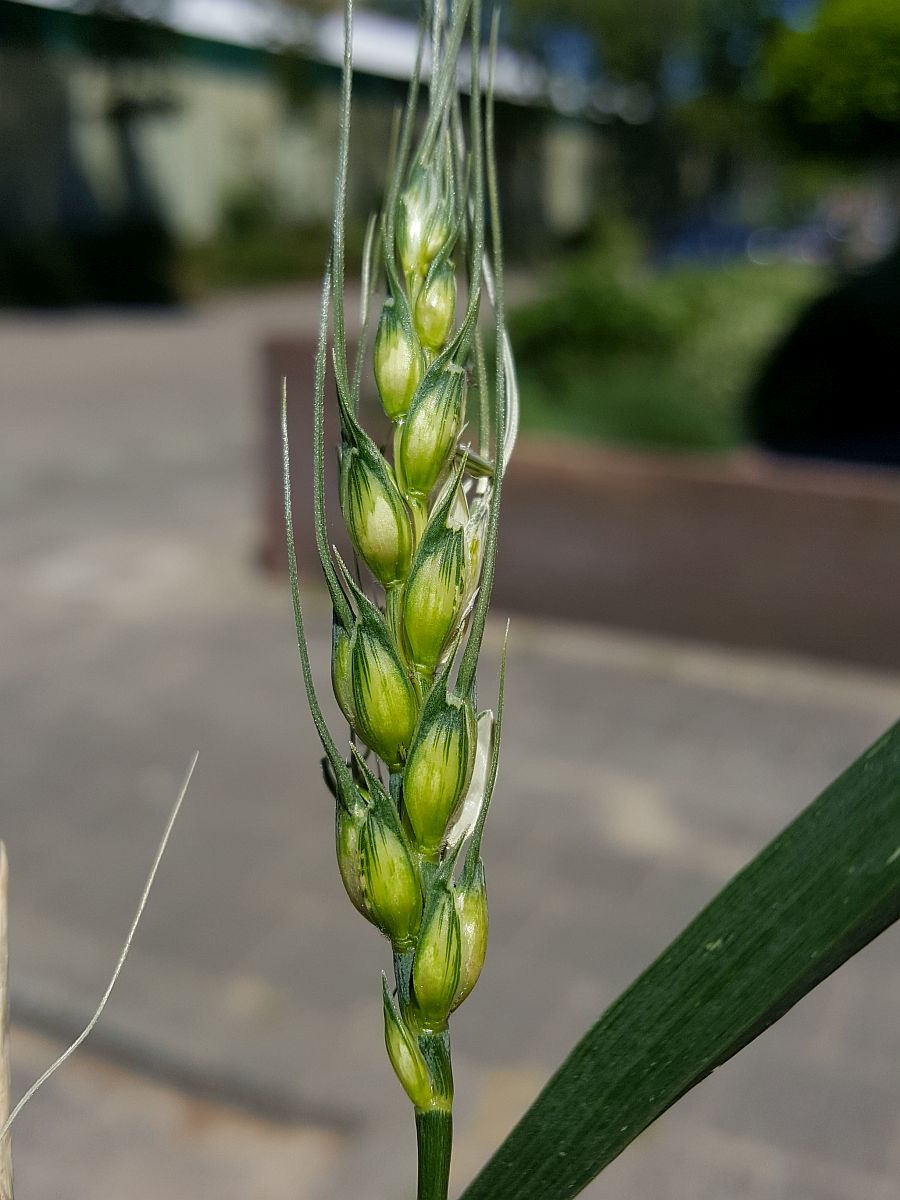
<point>704,239</point>
<point>713,241</point>
<point>570,52</point>
<point>682,76</point>
<point>799,14</point>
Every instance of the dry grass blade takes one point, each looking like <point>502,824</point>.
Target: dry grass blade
<point>6,1121</point>
<point>6,1172</point>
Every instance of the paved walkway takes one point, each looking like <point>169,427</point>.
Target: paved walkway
<point>637,776</point>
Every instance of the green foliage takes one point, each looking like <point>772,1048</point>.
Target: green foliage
<point>816,895</point>
<point>628,356</point>
<point>635,40</point>
<point>633,43</point>
<point>266,253</point>
<point>255,246</point>
<point>836,86</point>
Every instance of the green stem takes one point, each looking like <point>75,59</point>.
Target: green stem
<point>403,960</point>
<point>434,1129</point>
<point>424,679</point>
<point>434,1126</point>
<point>434,1137</point>
<point>414,283</point>
<point>393,611</point>
<point>418,506</point>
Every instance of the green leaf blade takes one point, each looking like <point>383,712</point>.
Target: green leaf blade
<point>816,895</point>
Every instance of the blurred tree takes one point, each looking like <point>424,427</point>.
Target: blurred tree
<point>823,390</point>
<point>638,38</point>
<point>404,8</point>
<point>696,62</point>
<point>836,86</point>
<point>633,39</point>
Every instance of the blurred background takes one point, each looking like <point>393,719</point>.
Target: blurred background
<point>701,204</point>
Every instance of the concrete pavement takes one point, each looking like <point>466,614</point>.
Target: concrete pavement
<point>637,776</point>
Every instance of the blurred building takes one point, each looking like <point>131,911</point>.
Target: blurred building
<point>130,124</point>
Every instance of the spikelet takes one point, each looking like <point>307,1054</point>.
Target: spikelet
<point>412,798</point>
